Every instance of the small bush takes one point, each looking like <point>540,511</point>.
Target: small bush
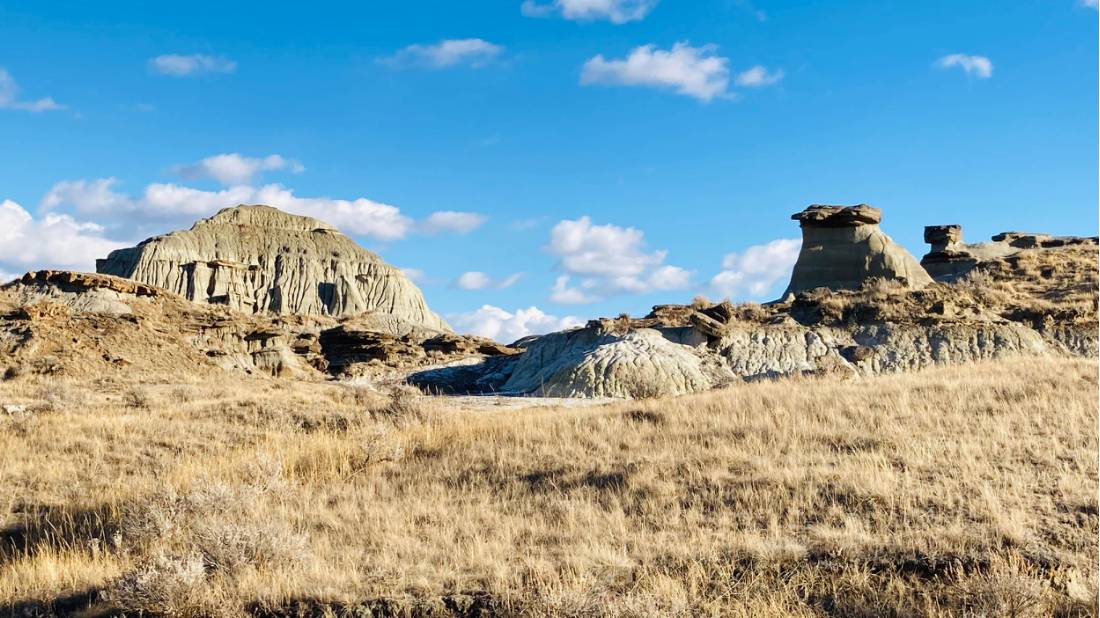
<point>405,405</point>
<point>167,585</point>
<point>184,393</point>
<point>61,396</point>
<point>138,397</point>
<point>228,546</point>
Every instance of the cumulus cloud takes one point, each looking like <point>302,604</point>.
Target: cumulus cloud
<point>692,71</point>
<point>756,270</point>
<point>614,11</point>
<point>1092,4</point>
<point>234,169</point>
<point>757,77</point>
<point>9,97</point>
<point>453,221</point>
<point>607,260</point>
<point>172,201</point>
<point>476,280</point>
<point>978,66</point>
<point>179,65</point>
<point>54,241</point>
<point>474,53</point>
<point>500,325</point>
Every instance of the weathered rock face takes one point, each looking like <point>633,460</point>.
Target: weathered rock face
<point>949,257</point>
<point>258,259</point>
<point>86,323</point>
<point>843,246</point>
<point>591,362</point>
<point>843,334</point>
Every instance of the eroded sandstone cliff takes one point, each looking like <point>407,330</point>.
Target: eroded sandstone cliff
<point>258,259</point>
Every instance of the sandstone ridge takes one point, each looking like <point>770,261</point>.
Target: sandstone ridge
<point>258,259</point>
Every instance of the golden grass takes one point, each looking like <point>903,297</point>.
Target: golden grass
<point>967,490</point>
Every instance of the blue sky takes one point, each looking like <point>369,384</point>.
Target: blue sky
<point>586,157</point>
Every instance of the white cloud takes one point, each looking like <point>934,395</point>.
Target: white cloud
<point>473,280</point>
<point>474,53</point>
<point>608,260</point>
<point>563,294</point>
<point>54,241</point>
<point>500,325</point>
<point>1092,4</point>
<point>614,11</point>
<point>693,71</point>
<point>758,76</point>
<point>754,271</point>
<point>178,65</point>
<point>979,66</point>
<point>87,196</point>
<point>234,169</point>
<point>171,201</point>
<point>451,221</point>
<point>414,274</point>
<point>9,97</point>
<point>476,280</point>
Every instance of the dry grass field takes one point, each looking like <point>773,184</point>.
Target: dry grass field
<point>961,491</point>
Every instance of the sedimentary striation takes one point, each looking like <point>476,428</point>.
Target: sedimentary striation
<point>842,246</point>
<point>257,259</point>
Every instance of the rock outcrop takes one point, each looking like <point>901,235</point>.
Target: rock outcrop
<point>842,247</point>
<point>85,323</point>
<point>949,257</point>
<point>258,259</point>
<point>1035,302</point>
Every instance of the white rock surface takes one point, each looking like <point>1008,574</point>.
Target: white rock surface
<point>589,363</point>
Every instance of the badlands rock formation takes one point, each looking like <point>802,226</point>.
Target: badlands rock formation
<point>257,259</point>
<point>1038,301</point>
<point>1024,294</point>
<point>949,257</point>
<point>843,246</point>
<point>61,322</point>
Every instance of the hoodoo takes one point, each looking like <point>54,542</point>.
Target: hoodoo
<point>842,246</point>
<point>258,259</point>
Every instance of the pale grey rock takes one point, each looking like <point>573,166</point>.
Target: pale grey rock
<point>842,247</point>
<point>588,362</point>
<point>258,259</point>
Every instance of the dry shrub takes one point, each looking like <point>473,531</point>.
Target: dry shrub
<point>139,397</point>
<point>185,393</point>
<point>1007,588</point>
<point>62,396</point>
<point>405,406</point>
<point>382,443</point>
<point>222,523</point>
<point>21,422</point>
<point>228,546</point>
<point>167,585</point>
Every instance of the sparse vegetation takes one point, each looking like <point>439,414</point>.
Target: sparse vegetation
<point>965,491</point>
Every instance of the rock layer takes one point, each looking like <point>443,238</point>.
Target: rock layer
<point>843,246</point>
<point>949,258</point>
<point>258,259</point>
